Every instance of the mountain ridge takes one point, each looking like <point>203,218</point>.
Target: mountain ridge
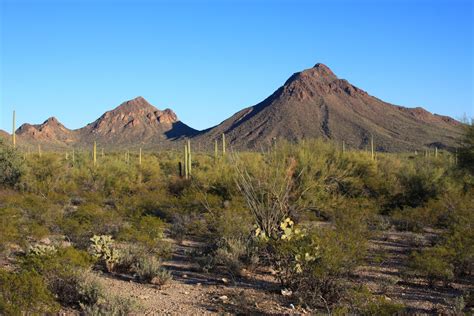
<point>313,103</point>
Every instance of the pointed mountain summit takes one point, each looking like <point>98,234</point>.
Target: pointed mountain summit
<point>50,131</point>
<point>135,122</point>
<point>315,103</point>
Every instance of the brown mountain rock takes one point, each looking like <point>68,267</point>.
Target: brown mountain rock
<point>315,103</point>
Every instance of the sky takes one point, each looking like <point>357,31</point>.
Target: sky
<point>208,59</point>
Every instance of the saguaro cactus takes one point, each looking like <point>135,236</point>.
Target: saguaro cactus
<point>343,146</point>
<point>73,156</point>
<point>223,144</point>
<point>372,147</point>
<point>39,150</point>
<point>14,129</point>
<point>186,171</point>
<point>94,153</point>
<point>216,150</point>
<point>189,158</point>
<point>140,157</point>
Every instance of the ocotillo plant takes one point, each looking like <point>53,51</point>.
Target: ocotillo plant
<point>223,144</point>
<point>94,154</point>
<point>13,130</point>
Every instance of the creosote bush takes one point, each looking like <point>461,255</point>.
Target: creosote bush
<point>149,270</point>
<point>307,210</point>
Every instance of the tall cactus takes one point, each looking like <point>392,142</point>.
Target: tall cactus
<point>140,157</point>
<point>343,147</point>
<point>372,147</point>
<point>39,150</point>
<point>436,152</point>
<point>189,158</point>
<point>223,144</point>
<point>14,129</point>
<point>186,171</point>
<point>216,150</point>
<point>73,156</point>
<point>94,153</point>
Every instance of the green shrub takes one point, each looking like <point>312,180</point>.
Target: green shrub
<point>149,270</point>
<point>62,271</point>
<point>433,263</point>
<point>11,166</point>
<point>114,305</point>
<point>362,302</point>
<point>146,231</point>
<point>315,264</point>
<point>25,292</point>
<point>466,150</point>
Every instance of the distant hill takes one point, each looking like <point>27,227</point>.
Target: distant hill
<point>133,123</point>
<point>4,135</point>
<point>315,103</point>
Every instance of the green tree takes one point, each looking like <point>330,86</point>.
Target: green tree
<point>466,150</point>
<point>11,167</point>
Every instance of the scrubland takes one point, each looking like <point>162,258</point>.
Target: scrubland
<point>312,220</point>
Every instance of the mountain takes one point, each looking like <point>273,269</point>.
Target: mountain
<point>50,132</point>
<point>315,103</point>
<point>135,122</point>
<point>4,135</point>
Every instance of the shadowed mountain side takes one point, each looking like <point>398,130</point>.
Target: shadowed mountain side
<point>316,104</point>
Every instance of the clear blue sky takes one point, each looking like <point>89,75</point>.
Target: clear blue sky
<point>208,59</point>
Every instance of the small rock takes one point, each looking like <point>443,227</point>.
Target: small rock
<point>223,298</point>
<point>186,293</point>
<point>198,284</point>
<point>286,292</point>
<point>224,280</point>
<point>185,276</point>
<point>292,306</point>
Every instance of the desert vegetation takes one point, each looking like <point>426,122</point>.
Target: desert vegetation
<point>307,215</point>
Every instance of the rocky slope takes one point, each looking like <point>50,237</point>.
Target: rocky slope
<point>4,135</point>
<point>316,103</point>
<point>50,131</point>
<point>133,123</point>
<point>313,103</point>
